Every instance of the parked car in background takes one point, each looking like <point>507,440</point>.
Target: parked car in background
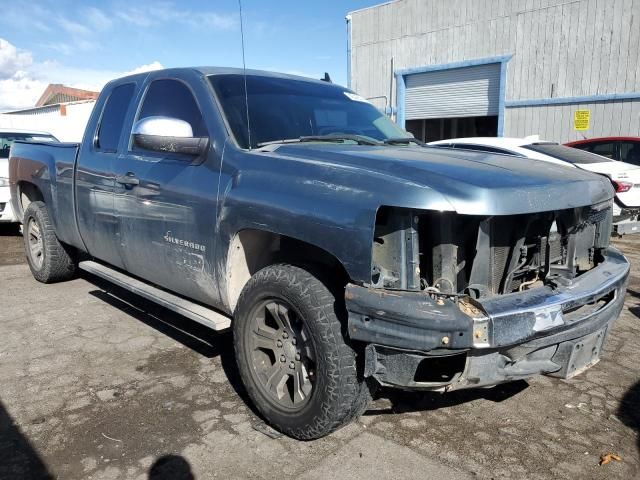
<point>623,149</point>
<point>625,177</point>
<point>7,137</point>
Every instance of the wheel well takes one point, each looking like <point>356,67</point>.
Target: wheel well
<point>28,193</point>
<point>252,250</point>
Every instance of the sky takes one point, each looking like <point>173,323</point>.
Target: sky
<point>85,44</point>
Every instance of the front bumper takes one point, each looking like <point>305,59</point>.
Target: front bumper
<point>501,338</point>
<point>6,212</point>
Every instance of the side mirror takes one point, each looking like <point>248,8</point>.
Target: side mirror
<point>166,134</point>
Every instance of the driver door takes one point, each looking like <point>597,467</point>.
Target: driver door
<point>167,201</point>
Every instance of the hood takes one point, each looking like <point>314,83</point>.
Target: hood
<point>467,182</point>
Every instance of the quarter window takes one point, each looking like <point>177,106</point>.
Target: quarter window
<point>172,98</point>
<point>113,117</point>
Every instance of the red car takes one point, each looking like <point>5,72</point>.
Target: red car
<point>625,149</point>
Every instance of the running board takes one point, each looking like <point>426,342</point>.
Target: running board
<point>206,316</point>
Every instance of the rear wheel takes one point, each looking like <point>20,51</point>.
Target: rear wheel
<point>292,356</point>
<point>49,260</point>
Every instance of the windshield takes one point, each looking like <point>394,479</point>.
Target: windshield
<point>7,139</point>
<point>285,109</point>
<point>568,154</point>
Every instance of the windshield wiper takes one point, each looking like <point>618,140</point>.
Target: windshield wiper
<point>276,142</point>
<point>341,138</point>
<point>403,141</point>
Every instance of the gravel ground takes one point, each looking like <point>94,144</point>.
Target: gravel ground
<point>98,384</point>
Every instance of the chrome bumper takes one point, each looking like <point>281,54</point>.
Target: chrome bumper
<point>511,336</point>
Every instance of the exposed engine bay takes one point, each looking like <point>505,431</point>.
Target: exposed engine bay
<point>447,254</point>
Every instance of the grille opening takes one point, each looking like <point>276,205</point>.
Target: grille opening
<point>440,369</point>
<point>482,256</point>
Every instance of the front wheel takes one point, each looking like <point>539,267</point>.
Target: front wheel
<point>292,356</point>
<point>49,260</point>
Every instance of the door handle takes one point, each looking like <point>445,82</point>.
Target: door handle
<point>128,179</point>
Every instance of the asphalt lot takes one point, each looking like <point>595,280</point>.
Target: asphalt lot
<point>98,384</point>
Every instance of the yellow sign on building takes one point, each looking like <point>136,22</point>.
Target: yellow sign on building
<point>581,119</point>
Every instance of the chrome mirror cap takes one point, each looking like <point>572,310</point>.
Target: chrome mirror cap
<point>162,126</point>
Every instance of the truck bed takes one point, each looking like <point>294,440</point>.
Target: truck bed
<point>49,166</point>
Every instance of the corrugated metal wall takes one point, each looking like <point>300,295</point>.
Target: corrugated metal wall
<point>561,48</point>
<point>607,118</point>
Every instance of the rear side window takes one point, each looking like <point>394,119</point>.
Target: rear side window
<point>172,98</point>
<point>582,146</point>
<point>113,117</point>
<point>630,152</point>
<point>567,154</point>
<point>606,149</point>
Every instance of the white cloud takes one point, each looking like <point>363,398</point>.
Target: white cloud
<point>20,92</point>
<point>72,27</point>
<point>149,67</point>
<point>22,80</point>
<point>97,19</point>
<point>159,13</point>
<point>12,60</point>
<point>135,16</point>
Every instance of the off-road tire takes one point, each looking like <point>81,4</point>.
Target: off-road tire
<point>58,261</point>
<point>339,393</point>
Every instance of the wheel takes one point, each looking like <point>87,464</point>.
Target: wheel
<point>292,356</point>
<point>49,260</point>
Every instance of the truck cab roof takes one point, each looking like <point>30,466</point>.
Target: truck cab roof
<point>212,70</point>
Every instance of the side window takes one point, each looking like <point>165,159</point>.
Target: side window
<point>113,117</point>
<point>172,98</point>
<point>583,146</point>
<point>630,152</point>
<point>484,148</point>
<point>604,149</point>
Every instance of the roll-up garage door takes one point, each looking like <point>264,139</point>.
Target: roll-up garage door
<point>459,92</point>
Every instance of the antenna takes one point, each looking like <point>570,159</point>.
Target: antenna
<point>244,70</point>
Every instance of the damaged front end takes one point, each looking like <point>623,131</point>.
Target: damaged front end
<point>458,301</point>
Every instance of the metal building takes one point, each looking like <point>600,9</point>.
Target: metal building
<point>562,69</point>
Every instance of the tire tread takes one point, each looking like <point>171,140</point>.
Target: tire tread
<point>347,395</point>
<point>59,264</point>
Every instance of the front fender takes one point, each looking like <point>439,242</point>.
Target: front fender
<point>341,226</point>
<point>329,205</point>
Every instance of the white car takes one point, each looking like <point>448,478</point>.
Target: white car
<point>625,177</point>
<point>7,137</point>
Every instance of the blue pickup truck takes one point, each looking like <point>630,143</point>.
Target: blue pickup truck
<point>343,253</point>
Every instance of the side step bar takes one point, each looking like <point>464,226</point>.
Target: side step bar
<point>206,316</point>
